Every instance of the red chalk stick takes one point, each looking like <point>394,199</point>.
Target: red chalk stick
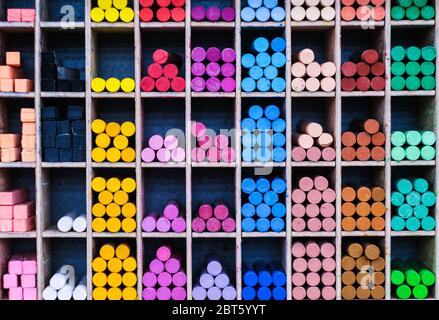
<point>370,56</point>
<point>161,56</point>
<point>378,83</point>
<point>146,15</point>
<point>377,69</point>
<point>170,71</point>
<point>178,3</point>
<point>347,13</point>
<point>363,84</point>
<point>363,13</point>
<point>348,84</point>
<point>163,14</point>
<point>178,14</point>
<point>147,84</point>
<point>155,70</point>
<point>349,69</point>
<point>363,69</point>
<point>146,3</point>
<point>162,84</point>
<point>378,13</point>
<point>178,84</point>
<point>163,3</point>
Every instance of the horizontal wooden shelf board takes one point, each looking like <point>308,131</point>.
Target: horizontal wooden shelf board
<point>159,235</point>
<point>363,233</point>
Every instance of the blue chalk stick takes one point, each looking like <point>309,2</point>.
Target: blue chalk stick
<point>248,210</point>
<point>49,127</point>
<point>271,198</point>
<point>272,112</point>
<point>263,210</point>
<point>260,45</point>
<point>255,198</point>
<point>279,139</point>
<point>263,139</point>
<point>248,14</point>
<point>263,225</point>
<point>49,113</point>
<point>278,59</point>
<point>270,4</point>
<point>255,112</point>
<point>278,185</point>
<point>78,155</point>
<point>248,60</point>
<point>278,44</point>
<point>279,293</point>
<point>248,185</point>
<point>263,124</point>
<point>263,154</point>
<point>279,154</point>
<point>248,224</point>
<point>263,84</point>
<point>63,140</point>
<point>250,278</point>
<point>263,59</point>
<point>248,84</point>
<point>78,141</point>
<point>279,125</point>
<point>248,155</point>
<point>49,141</point>
<point>248,140</point>
<point>66,155</point>
<point>256,72</point>
<point>248,293</point>
<point>75,113</point>
<point>254,3</point>
<point>78,127</point>
<point>264,275</point>
<point>278,210</point>
<point>277,224</point>
<point>262,14</point>
<point>279,276</point>
<point>63,127</point>
<point>278,84</point>
<point>248,124</point>
<point>278,14</point>
<point>264,293</point>
<point>262,185</point>
<point>270,72</point>
<point>51,155</point>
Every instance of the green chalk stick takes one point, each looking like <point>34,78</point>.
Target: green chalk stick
<point>420,3</point>
<point>405,3</point>
<point>428,13</point>
<point>428,83</point>
<point>413,53</point>
<point>420,291</point>
<point>413,137</point>
<point>420,185</point>
<point>428,198</point>
<point>403,292</point>
<point>398,53</point>
<point>397,198</point>
<point>428,53</point>
<point>397,223</point>
<point>403,185</point>
<point>398,83</point>
<point>420,212</point>
<point>397,138</point>
<point>413,83</point>
<point>412,277</point>
<point>412,68</point>
<point>405,211</point>
<point>427,277</point>
<point>428,153</point>
<point>413,224</point>
<point>412,153</point>
<point>397,13</point>
<point>398,153</point>
<point>412,13</point>
<point>397,277</point>
<point>428,138</point>
<point>413,198</point>
<point>397,68</point>
<point>428,223</point>
<point>428,68</point>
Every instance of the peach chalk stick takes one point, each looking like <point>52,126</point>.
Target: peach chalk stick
<point>28,128</point>
<point>24,210</point>
<point>10,154</point>
<point>303,140</point>
<point>325,140</point>
<point>306,56</point>
<point>23,225</point>
<point>9,140</point>
<point>23,85</point>
<point>28,141</point>
<point>312,84</point>
<point>298,13</point>
<point>298,69</point>
<point>13,59</point>
<point>298,84</point>
<point>313,129</point>
<point>27,115</point>
<point>8,72</point>
<point>327,84</point>
<point>313,70</point>
<point>28,155</point>
<point>12,197</point>
<point>7,85</point>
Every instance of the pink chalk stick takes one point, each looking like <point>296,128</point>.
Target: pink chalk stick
<point>312,249</point>
<point>213,225</point>
<point>328,154</point>
<point>228,14</point>
<point>178,154</point>
<point>321,183</point>
<point>198,129</point>
<point>298,250</point>
<point>198,54</point>
<point>16,293</point>
<point>6,212</point>
<point>29,264</point>
<point>328,278</point>
<point>178,294</point>
<point>298,279</point>
<point>228,55</point>
<point>198,154</point>
<point>28,280</point>
<point>198,69</point>
<point>205,141</point>
<point>328,195</point>
<point>149,294</point>
<point>221,141</point>
<point>312,210</point>
<point>298,210</point>
<point>171,210</point>
<point>300,265</point>
<point>149,222</point>
<point>329,293</point>
<point>314,265</point>
<point>170,142</point>
<point>173,265</point>
<point>298,224</point>
<point>313,293</point>
<point>314,196</point>
<point>156,266</point>
<point>164,279</point>
<point>327,250</point>
<point>198,225</point>
<point>228,84</point>
<point>164,253</point>
<point>23,225</point>
<point>299,293</point>
<point>163,155</point>
<point>328,224</point>
<point>198,84</point>
<point>213,154</point>
<point>6,225</point>
<point>179,279</point>
<point>221,211</point>
<point>213,84</point>
<point>14,15</point>
<point>306,184</point>
<point>228,225</point>
<point>312,279</point>
<point>15,264</point>
<point>327,210</point>
<point>149,279</point>
<point>298,196</point>
<point>148,155</point>
<point>164,293</point>
<point>27,15</point>
<point>30,294</point>
<point>24,210</point>
<point>213,54</point>
<point>328,264</point>
<point>178,225</point>
<point>163,224</point>
<point>313,154</point>
<point>9,198</point>
<point>228,155</point>
<point>205,211</point>
<point>155,142</point>
<point>213,69</point>
<point>213,13</point>
<point>228,70</point>
<point>10,281</point>
<point>298,154</point>
<point>314,224</point>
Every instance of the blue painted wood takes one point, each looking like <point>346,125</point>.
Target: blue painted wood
<point>207,3</point>
<point>115,61</point>
<point>23,178</point>
<point>409,113</point>
<point>357,108</point>
<point>216,114</point>
<point>57,9</point>
<point>25,45</point>
<point>24,4</point>
<point>161,115</point>
<point>66,251</point>
<point>118,110</point>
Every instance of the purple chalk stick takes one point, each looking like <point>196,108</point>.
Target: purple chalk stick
<point>198,13</point>
<point>198,69</point>
<point>171,210</point>
<point>214,293</point>
<point>179,279</point>
<point>228,55</point>
<point>164,253</point>
<point>198,54</point>
<point>228,14</point>
<point>149,222</point>
<point>178,224</point>
<point>222,280</point>
<point>213,69</point>
<point>213,84</point>
<point>213,13</point>
<point>213,54</point>
<point>149,279</point>
<point>178,293</point>
<point>164,293</point>
<point>206,280</point>
<point>149,294</point>
<point>199,293</point>
<point>148,155</point>
<point>214,267</point>
<point>228,84</point>
<point>228,69</point>
<point>173,265</point>
<point>198,84</point>
<point>163,155</point>
<point>163,224</point>
<point>156,266</point>
<point>164,279</point>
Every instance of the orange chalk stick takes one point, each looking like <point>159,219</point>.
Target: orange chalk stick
<point>27,115</point>
<point>378,223</point>
<point>348,154</point>
<point>28,141</point>
<point>23,85</point>
<point>10,154</point>
<point>348,194</point>
<point>9,140</point>
<point>8,72</point>
<point>7,85</point>
<point>348,224</point>
<point>364,194</point>
<point>378,194</point>
<point>13,59</point>
<point>28,128</point>
<point>363,223</point>
<point>28,155</point>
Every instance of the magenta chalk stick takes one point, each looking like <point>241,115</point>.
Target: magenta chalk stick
<point>312,249</point>
<point>213,84</point>
<point>312,210</point>
<point>298,196</point>
<point>328,195</point>
<point>205,211</point>
<point>328,264</point>
<point>313,293</point>
<point>148,155</point>
<point>228,225</point>
<point>321,183</point>
<point>213,54</point>
<point>198,69</point>
<point>329,293</point>
<point>298,279</point>
<point>205,141</point>
<point>306,183</point>
<point>221,141</point>
<point>198,13</point>
<point>213,225</point>
<point>228,14</point>
<point>313,154</point>
<point>228,55</point>
<point>149,222</point>
<point>149,279</point>
<point>155,142</point>
<point>327,210</point>
<point>300,265</point>
<point>149,294</point>
<point>178,225</point>
<point>227,69</point>
<point>298,250</point>
<point>198,54</point>
<point>213,13</point>
<point>328,224</point>
<point>213,69</point>
<point>178,294</point>
<point>156,266</point>
<point>163,253</point>
<point>198,154</point>
<point>298,224</point>
<point>314,196</point>
<point>178,154</point>
<point>198,225</point>
<point>164,279</point>
<point>298,210</point>
<point>327,250</point>
<point>314,265</point>
<point>173,265</point>
<point>221,211</point>
<point>164,293</point>
<point>298,154</point>
<point>228,84</point>
<point>213,154</point>
<point>163,155</point>
<point>299,293</point>
<point>198,129</point>
<point>163,224</point>
<point>170,142</point>
<point>198,84</point>
<point>312,279</point>
<point>179,279</point>
<point>228,155</point>
<point>328,154</point>
<point>314,224</point>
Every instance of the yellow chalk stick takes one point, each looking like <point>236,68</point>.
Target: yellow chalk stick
<point>113,224</point>
<point>129,279</point>
<point>98,225</point>
<point>99,293</point>
<point>105,4</point>
<point>113,210</point>
<point>114,279</point>
<point>98,154</point>
<point>123,251</point>
<point>113,155</point>
<point>97,14</point>
<point>129,293</point>
<point>99,279</point>
<point>112,85</point>
<point>120,4</point>
<point>102,140</point>
<point>129,264</point>
<point>120,197</point>
<point>128,185</point>
<point>128,128</point>
<point>99,264</point>
<point>98,184</point>
<point>111,15</point>
<point>120,142</point>
<point>98,210</point>
<point>107,251</point>
<point>105,197</point>
<point>128,154</point>
<point>114,294</point>
<point>127,84</point>
<point>129,225</point>
<point>113,184</point>
<point>98,126</point>
<point>112,129</point>
<point>98,84</point>
<point>129,210</point>
<point>115,265</point>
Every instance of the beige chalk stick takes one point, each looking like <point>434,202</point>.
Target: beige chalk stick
<point>298,69</point>
<point>306,56</point>
<point>298,84</point>
<point>312,84</point>
<point>313,14</point>
<point>313,70</point>
<point>327,84</point>
<point>298,14</point>
<point>328,69</point>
